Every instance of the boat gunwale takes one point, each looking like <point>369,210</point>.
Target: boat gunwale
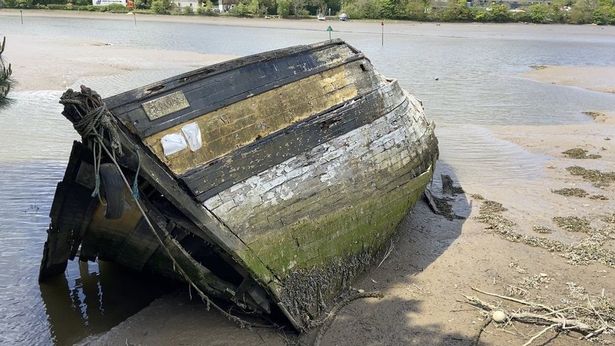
<point>169,121</point>
<point>141,94</point>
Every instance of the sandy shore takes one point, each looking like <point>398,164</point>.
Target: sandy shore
<point>435,261</point>
<point>43,64</point>
<point>596,78</point>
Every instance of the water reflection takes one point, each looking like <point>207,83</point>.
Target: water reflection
<point>100,296</point>
<point>90,298</point>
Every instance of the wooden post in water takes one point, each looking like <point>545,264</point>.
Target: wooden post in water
<point>382,26</point>
<point>21,16</point>
<point>329,29</point>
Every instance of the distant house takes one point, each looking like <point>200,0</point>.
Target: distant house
<point>226,5</point>
<point>108,2</point>
<point>186,3</point>
<point>513,4</point>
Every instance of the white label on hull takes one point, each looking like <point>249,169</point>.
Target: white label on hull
<point>173,143</point>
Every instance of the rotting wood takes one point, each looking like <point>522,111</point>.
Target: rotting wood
<point>268,237</point>
<point>268,152</point>
<point>225,84</point>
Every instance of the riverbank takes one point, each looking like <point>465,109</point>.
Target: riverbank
<point>367,26</point>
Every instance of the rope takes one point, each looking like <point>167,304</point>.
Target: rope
<point>135,184</point>
<point>93,123</point>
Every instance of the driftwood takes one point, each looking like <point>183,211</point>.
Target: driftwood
<point>562,319</point>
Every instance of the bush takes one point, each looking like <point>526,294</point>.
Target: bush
<point>583,11</point>
<point>187,10</point>
<point>539,13</point>
<point>417,10</point>
<point>207,9</point>
<point>161,6</point>
<point>24,3</point>
<point>604,15</point>
<point>283,8</point>
<point>116,8</point>
<point>141,4</point>
<point>457,11</point>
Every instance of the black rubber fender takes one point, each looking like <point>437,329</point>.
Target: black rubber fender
<point>111,190</point>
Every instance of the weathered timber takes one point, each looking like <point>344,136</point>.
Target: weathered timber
<point>298,166</point>
<point>248,120</point>
<point>250,160</point>
<point>220,85</point>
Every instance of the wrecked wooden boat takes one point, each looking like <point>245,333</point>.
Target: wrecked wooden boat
<point>269,181</point>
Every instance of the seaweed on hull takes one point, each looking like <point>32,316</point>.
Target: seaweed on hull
<point>5,76</point>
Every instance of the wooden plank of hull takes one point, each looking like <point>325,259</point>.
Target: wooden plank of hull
<point>64,234</point>
<point>319,216</point>
<point>253,159</point>
<point>217,86</point>
<point>249,120</point>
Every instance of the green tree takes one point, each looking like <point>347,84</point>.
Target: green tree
<point>283,8</point>
<point>583,11</point>
<point>161,6</point>
<point>604,15</point>
<point>386,8</point>
<point>457,11</point>
<point>500,13</point>
<point>539,13</point>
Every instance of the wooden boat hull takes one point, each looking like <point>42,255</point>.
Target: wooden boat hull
<point>309,160</point>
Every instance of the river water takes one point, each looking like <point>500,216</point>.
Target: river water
<point>466,75</point>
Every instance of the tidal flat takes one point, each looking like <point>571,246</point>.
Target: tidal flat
<point>503,127</point>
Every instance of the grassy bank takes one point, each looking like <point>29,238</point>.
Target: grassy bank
<point>601,12</point>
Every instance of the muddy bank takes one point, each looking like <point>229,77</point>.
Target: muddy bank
<point>175,320</point>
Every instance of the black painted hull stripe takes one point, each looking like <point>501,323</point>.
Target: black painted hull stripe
<point>213,92</point>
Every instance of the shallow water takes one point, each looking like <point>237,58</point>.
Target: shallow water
<point>477,86</point>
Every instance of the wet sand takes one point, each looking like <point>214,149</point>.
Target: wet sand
<point>596,78</point>
<point>43,64</point>
<point>433,262</point>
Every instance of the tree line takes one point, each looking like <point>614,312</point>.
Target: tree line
<point>600,12</point>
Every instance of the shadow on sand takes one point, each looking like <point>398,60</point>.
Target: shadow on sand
<point>422,238</point>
